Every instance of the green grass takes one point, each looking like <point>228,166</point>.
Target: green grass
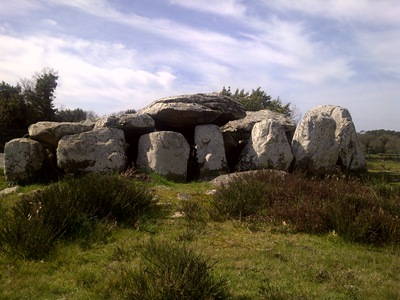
<point>258,260</point>
<point>384,169</point>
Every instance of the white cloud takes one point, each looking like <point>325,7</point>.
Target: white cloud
<point>49,22</point>
<point>284,53</point>
<point>381,49</point>
<point>19,7</point>
<point>366,11</point>
<point>232,8</point>
<point>94,76</point>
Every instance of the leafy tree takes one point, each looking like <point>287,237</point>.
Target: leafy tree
<point>13,109</point>
<point>70,115</point>
<point>39,95</point>
<point>74,115</point>
<point>130,111</point>
<point>257,100</point>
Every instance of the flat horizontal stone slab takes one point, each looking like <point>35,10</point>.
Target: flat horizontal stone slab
<point>192,110</point>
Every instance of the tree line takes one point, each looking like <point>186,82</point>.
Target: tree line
<point>258,99</point>
<point>32,100</point>
<point>380,141</point>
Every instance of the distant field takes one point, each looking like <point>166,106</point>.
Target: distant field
<point>388,167</point>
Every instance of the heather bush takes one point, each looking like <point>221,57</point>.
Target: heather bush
<point>170,271</point>
<point>352,209</point>
<point>71,208</point>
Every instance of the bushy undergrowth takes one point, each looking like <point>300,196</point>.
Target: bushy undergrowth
<point>170,271</point>
<point>347,207</point>
<point>70,208</point>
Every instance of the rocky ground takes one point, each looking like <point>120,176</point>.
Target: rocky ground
<point>1,160</point>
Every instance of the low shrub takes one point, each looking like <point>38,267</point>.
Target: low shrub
<point>25,236</point>
<point>171,272</point>
<point>70,208</point>
<point>242,198</point>
<point>351,209</point>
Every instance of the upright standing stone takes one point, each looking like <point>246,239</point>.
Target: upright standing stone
<point>326,139</point>
<point>23,160</point>
<point>314,144</point>
<point>164,152</point>
<point>210,150</point>
<point>268,148</point>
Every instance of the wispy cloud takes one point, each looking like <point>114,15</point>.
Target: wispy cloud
<point>231,8</point>
<point>308,52</point>
<point>366,11</point>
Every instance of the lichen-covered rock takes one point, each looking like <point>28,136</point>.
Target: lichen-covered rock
<point>241,129</point>
<point>268,148</point>
<point>326,139</point>
<point>188,111</point>
<point>51,132</point>
<point>164,152</point>
<point>108,121</point>
<point>23,160</point>
<point>99,151</point>
<point>137,123</point>
<point>314,144</point>
<point>210,150</point>
<point>350,153</point>
<point>131,123</point>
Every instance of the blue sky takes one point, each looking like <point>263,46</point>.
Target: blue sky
<point>113,55</point>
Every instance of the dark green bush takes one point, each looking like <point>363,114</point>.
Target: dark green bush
<point>242,198</point>
<point>172,272</point>
<point>71,208</point>
<point>351,209</point>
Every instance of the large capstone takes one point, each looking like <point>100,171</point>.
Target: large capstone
<point>183,113</point>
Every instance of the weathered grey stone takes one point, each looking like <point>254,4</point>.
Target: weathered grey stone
<point>241,129</point>
<point>188,111</point>
<point>326,138</point>
<point>164,152</point>
<point>134,126</point>
<point>237,133</point>
<point>51,132</point>
<point>24,159</point>
<point>350,155</point>
<point>226,179</point>
<point>140,123</point>
<point>268,148</point>
<point>210,150</point>
<point>1,160</point>
<point>9,190</point>
<point>109,121</point>
<point>99,151</point>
